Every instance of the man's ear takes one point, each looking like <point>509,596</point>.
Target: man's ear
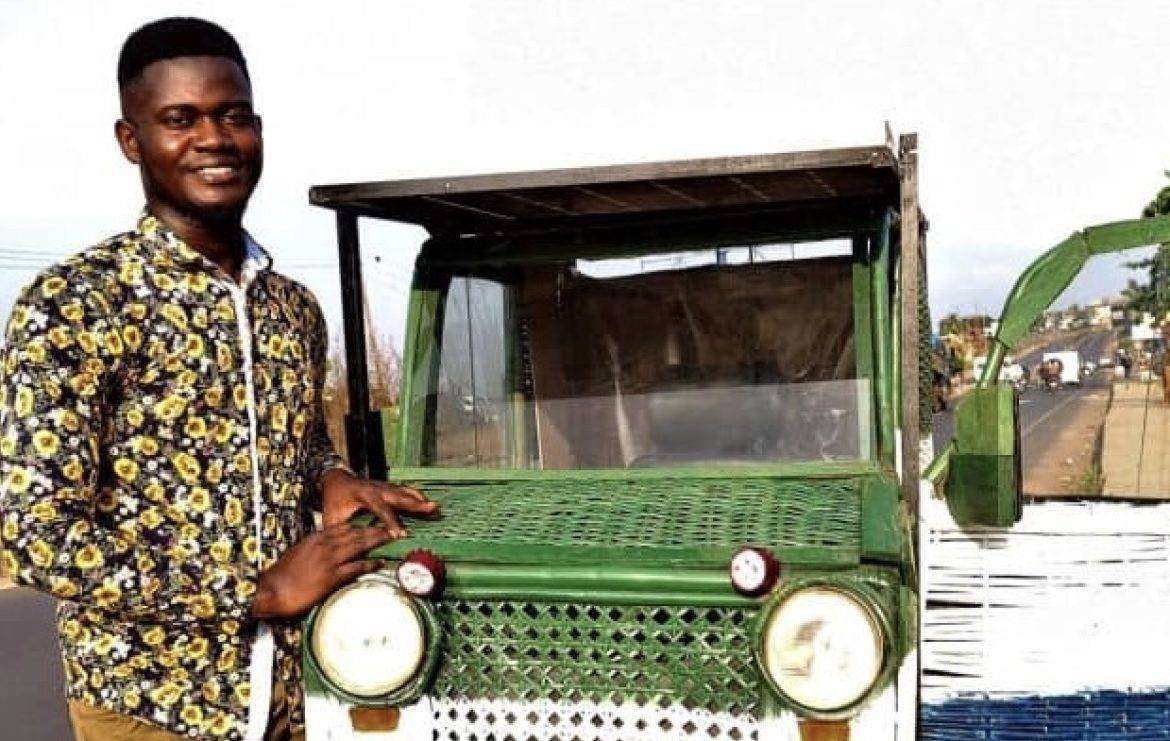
<point>127,140</point>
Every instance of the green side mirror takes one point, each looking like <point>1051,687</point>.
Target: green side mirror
<point>984,482</point>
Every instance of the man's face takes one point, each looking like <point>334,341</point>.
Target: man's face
<point>189,126</point>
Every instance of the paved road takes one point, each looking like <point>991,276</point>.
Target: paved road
<point>32,704</point>
<point>1044,414</point>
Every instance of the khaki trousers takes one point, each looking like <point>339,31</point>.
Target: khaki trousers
<point>97,724</point>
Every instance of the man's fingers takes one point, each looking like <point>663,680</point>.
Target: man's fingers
<point>351,570</point>
<point>413,502</point>
<point>389,520</point>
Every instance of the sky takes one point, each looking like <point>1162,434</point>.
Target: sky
<point>1034,118</point>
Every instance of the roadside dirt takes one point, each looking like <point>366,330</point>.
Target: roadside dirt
<point>1067,462</point>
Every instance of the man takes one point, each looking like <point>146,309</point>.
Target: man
<point>161,430</point>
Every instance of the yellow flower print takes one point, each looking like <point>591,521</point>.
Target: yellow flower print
<point>197,282</point>
<point>132,699</point>
<point>166,694</point>
<point>175,315</point>
<point>170,408</point>
<point>263,446</point>
<point>78,530</point>
<point>192,715</point>
<point>196,427</point>
<point>242,693</point>
<point>225,311</point>
<point>221,551</point>
<point>11,565</point>
<point>223,431</point>
<point>153,636</point>
<point>131,274</point>
<point>214,473</point>
<point>53,286</point>
<point>89,557</point>
<point>245,589</point>
<point>126,469</point>
<point>100,300</point>
<point>174,363</point>
<point>137,311</point>
<point>145,445</point>
<point>213,396</point>
<point>288,379</point>
<point>163,282</point>
<point>250,548</point>
<point>19,317</point>
<point>279,417</point>
<point>194,346</point>
<point>60,337</point>
<point>63,588</point>
<point>187,378</point>
<point>275,345</point>
<point>11,528</point>
<point>135,417</point>
<point>199,318</point>
<point>36,352</point>
<point>240,396</point>
<point>197,648</point>
<point>107,594</point>
<point>223,356</point>
<point>189,531</point>
<point>73,311</point>
<point>154,491</point>
<point>71,629</point>
<point>298,426</point>
<point>43,511</point>
<point>103,645</point>
<point>83,384</point>
<point>210,690</point>
<point>41,554</point>
<point>8,445</point>
<point>150,518</point>
<point>227,660</point>
<point>229,627</point>
<point>221,725</point>
<point>17,481</point>
<point>296,349</point>
<point>242,462</point>
<point>203,606</point>
<point>113,342</point>
<point>187,467</point>
<point>24,401</point>
<point>45,442</point>
<point>87,342</point>
<point>133,337</point>
<point>233,512</point>
<point>93,366</point>
<point>73,469</point>
<point>199,500</point>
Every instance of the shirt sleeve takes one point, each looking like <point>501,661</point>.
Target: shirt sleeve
<point>321,455</point>
<point>61,358</point>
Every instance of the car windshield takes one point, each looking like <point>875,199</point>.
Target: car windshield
<point>716,356</point>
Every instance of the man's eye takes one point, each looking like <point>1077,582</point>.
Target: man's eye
<point>178,119</point>
<point>238,119</point>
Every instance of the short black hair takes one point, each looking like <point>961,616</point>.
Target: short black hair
<point>175,37</point>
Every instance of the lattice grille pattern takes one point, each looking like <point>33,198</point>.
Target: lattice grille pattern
<point>687,657</point>
<point>503,720</point>
<point>722,513</point>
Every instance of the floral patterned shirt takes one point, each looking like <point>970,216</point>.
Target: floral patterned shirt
<point>161,430</point>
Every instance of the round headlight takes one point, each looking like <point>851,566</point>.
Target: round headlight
<point>368,638</point>
<point>823,648</point>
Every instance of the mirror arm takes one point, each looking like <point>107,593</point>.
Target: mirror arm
<point>1046,278</point>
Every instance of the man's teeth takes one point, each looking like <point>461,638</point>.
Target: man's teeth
<point>217,170</point>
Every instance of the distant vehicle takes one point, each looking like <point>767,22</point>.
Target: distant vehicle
<point>1088,368</point>
<point>1070,361</point>
<point>1011,371</point>
<point>1105,361</point>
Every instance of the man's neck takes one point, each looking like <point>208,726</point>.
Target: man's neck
<point>221,242</point>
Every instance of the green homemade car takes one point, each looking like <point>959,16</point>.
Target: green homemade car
<point>672,413</point>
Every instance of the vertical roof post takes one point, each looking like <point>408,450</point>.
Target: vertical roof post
<point>357,379</point>
<point>909,341</point>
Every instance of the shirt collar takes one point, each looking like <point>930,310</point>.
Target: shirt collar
<point>158,235</point>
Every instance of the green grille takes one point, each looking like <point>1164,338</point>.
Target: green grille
<point>699,658</point>
<point>699,521</point>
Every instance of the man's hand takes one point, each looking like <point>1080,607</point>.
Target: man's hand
<point>344,494</point>
<point>314,567</point>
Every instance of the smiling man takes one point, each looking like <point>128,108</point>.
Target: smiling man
<point>161,430</point>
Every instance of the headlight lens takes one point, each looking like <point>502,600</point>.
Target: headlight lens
<point>823,648</point>
<point>368,638</point>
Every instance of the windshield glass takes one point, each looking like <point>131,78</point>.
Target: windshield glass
<point>736,355</point>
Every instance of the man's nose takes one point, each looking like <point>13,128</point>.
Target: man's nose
<point>211,134</point>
